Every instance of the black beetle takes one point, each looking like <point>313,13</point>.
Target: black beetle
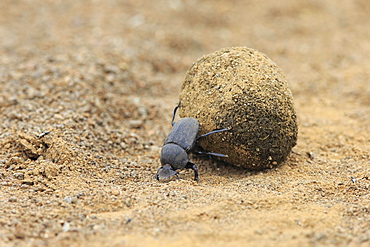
<point>179,143</point>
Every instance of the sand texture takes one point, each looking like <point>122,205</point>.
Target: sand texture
<point>86,100</point>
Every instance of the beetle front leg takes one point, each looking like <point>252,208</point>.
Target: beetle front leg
<point>192,166</point>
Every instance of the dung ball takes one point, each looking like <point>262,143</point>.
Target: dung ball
<point>243,90</point>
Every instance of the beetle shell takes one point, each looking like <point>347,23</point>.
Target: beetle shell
<point>183,133</point>
<point>174,155</point>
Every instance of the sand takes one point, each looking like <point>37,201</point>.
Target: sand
<point>103,78</point>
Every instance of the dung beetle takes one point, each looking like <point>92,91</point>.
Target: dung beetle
<point>179,143</point>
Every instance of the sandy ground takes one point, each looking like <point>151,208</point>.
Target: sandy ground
<point>103,77</point>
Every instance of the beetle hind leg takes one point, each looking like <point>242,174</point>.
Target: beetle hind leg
<point>212,132</point>
<point>192,166</point>
<point>174,114</point>
<point>212,154</point>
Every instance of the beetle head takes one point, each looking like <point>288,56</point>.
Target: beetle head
<point>166,171</point>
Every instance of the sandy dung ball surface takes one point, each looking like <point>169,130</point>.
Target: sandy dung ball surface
<point>86,99</point>
<point>243,90</point>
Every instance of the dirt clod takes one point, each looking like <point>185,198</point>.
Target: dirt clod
<point>242,90</point>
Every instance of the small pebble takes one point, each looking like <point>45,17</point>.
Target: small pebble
<point>18,175</point>
<point>66,227</point>
<point>12,199</point>
<point>70,199</point>
<point>115,192</point>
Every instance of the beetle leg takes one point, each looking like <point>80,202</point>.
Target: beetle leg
<point>212,132</point>
<point>192,166</point>
<point>209,153</point>
<point>174,114</point>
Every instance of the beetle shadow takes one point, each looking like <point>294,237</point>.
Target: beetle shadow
<point>211,166</point>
